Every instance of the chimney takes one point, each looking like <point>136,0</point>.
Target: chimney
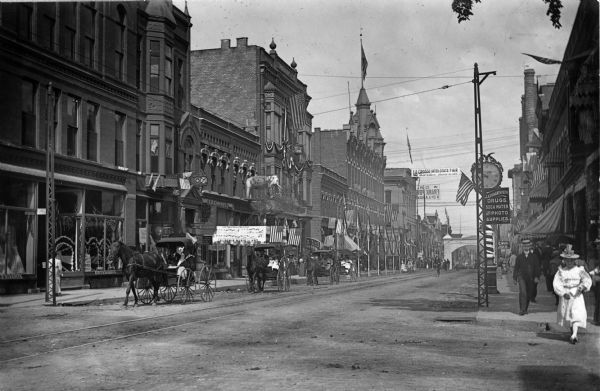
<point>242,42</point>
<point>225,44</point>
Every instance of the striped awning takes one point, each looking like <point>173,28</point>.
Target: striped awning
<point>547,223</point>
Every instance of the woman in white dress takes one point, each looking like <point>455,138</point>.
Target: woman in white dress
<point>570,282</point>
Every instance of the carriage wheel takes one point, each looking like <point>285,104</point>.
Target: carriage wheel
<point>207,276</point>
<point>168,293</point>
<point>206,292</point>
<point>146,295</point>
<point>185,286</point>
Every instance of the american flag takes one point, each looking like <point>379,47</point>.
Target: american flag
<point>297,111</point>
<point>294,236</point>
<point>275,234</point>
<point>543,60</point>
<point>363,62</point>
<point>464,189</point>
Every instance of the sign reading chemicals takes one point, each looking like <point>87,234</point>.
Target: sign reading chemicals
<point>497,206</point>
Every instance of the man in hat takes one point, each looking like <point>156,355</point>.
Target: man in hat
<point>570,282</point>
<point>526,273</point>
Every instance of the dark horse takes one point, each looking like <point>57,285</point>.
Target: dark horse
<point>135,265</point>
<point>257,272</point>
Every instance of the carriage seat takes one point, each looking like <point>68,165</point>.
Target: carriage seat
<point>274,264</point>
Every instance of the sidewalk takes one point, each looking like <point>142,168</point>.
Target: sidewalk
<point>80,297</point>
<point>504,306</point>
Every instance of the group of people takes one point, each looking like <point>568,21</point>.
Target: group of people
<point>566,275</point>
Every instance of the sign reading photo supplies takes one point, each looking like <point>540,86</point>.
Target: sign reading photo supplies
<point>432,192</point>
<point>497,206</point>
<point>422,172</point>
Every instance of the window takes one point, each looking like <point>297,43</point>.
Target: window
<point>28,113</point>
<point>121,43</point>
<point>88,26</point>
<point>72,122</point>
<point>69,43</point>
<point>180,84</point>
<point>92,134</point>
<point>47,34</point>
<point>119,139</point>
<point>154,65</point>
<point>169,150</point>
<point>139,137</point>
<point>188,154</point>
<point>154,150</point>
<point>140,61</point>
<point>169,70</point>
<point>25,21</point>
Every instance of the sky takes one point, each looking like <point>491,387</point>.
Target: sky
<point>413,49</point>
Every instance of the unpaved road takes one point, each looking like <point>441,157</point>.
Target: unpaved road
<point>409,332</point>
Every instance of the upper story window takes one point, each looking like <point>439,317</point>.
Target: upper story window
<point>91,121</point>
<point>72,125</point>
<point>69,34</point>
<point>168,150</point>
<point>169,70</point>
<point>154,65</point>
<point>188,154</point>
<point>139,137</point>
<point>119,139</point>
<point>180,101</point>
<point>121,44</point>
<point>154,147</point>
<point>25,21</point>
<point>140,61</point>
<point>28,113</point>
<point>88,26</point>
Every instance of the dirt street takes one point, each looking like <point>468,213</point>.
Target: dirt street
<point>406,332</point>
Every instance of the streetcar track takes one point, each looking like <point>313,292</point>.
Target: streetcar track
<point>338,289</point>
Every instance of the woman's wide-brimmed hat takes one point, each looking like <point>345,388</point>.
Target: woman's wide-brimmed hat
<point>568,253</point>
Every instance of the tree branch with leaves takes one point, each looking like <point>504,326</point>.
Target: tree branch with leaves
<point>464,10</point>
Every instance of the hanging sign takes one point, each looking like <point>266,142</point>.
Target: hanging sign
<point>431,192</point>
<point>497,206</point>
<point>240,234</point>
<point>423,172</point>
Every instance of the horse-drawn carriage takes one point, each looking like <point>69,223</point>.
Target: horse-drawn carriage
<point>324,263</point>
<point>169,273</point>
<point>268,262</point>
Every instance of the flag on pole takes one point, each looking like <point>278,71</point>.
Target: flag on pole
<point>409,151</point>
<point>447,217</point>
<point>155,182</point>
<point>464,189</point>
<point>363,62</point>
<point>543,60</point>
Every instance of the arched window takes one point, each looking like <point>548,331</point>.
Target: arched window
<point>188,154</point>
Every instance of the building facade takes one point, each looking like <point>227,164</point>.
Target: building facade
<point>401,215</point>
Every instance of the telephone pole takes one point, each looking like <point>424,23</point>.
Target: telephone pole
<point>482,291</point>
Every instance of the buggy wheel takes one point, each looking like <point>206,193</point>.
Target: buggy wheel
<point>168,293</point>
<point>146,295</point>
<point>207,276</point>
<point>206,292</point>
<point>185,285</point>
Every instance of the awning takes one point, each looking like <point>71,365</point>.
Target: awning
<point>548,222</point>
<point>540,192</point>
<point>348,244</point>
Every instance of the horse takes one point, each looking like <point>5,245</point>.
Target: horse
<point>257,272</point>
<point>312,266</point>
<point>138,265</point>
<point>259,181</point>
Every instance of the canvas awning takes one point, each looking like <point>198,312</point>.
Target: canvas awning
<point>348,244</point>
<point>548,222</point>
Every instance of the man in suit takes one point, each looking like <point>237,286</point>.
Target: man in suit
<point>525,273</point>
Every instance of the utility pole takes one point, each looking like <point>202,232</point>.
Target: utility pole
<point>50,201</point>
<point>482,291</point>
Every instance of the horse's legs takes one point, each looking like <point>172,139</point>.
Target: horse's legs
<point>133,284</point>
<point>129,287</point>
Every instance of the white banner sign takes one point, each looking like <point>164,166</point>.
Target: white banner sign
<point>422,172</point>
<point>240,234</point>
<point>432,192</point>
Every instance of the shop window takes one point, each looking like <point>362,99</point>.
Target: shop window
<point>16,243</point>
<point>100,202</point>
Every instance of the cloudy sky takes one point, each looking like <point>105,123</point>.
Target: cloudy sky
<point>413,49</point>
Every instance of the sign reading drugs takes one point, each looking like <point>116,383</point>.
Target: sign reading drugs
<point>240,234</point>
<point>497,206</point>
<point>432,192</point>
<point>423,172</point>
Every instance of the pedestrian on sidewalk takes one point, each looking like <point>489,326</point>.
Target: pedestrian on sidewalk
<point>525,273</point>
<point>570,283</point>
